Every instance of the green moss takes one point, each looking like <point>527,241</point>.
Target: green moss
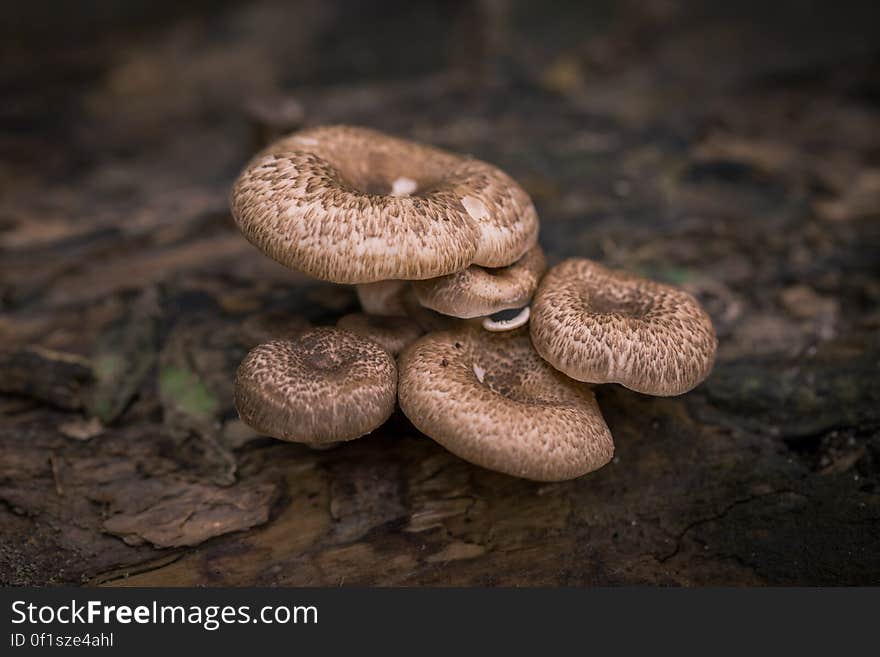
<point>188,393</point>
<point>104,402</point>
<point>668,274</point>
<point>107,366</point>
<point>676,275</point>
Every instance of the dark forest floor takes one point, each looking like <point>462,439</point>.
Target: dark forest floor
<point>735,153</point>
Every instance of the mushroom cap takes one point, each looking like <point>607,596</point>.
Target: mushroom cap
<point>478,291</point>
<point>327,385</point>
<point>271,325</point>
<point>393,334</point>
<point>490,399</point>
<point>608,326</point>
<point>352,205</point>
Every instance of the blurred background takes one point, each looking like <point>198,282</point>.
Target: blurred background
<point>732,149</point>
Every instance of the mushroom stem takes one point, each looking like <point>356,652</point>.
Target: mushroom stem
<point>383,297</point>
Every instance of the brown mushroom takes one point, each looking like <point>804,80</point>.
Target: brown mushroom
<point>391,333</point>
<point>352,205</point>
<point>397,299</point>
<point>383,297</point>
<point>328,385</point>
<point>478,291</point>
<point>603,325</point>
<point>490,399</point>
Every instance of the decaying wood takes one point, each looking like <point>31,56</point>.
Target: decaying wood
<point>45,375</point>
<point>686,145</point>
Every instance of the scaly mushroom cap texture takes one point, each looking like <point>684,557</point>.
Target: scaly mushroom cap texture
<point>328,385</point>
<point>478,291</point>
<point>490,399</point>
<point>603,325</point>
<point>393,334</point>
<point>352,205</point>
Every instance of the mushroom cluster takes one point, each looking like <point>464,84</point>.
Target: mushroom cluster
<point>485,350</point>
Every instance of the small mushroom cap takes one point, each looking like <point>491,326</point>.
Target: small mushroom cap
<point>608,326</point>
<point>328,385</point>
<point>478,291</point>
<point>490,399</point>
<point>391,333</point>
<point>352,205</point>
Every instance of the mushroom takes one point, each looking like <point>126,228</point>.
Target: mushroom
<point>326,386</point>
<point>603,325</point>
<point>397,299</point>
<point>271,325</point>
<point>507,320</point>
<point>478,291</point>
<point>352,205</point>
<point>391,333</point>
<point>490,399</point>
<point>383,297</point>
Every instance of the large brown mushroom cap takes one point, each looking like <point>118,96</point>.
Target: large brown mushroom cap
<point>607,326</point>
<point>328,385</point>
<point>490,399</point>
<point>393,334</point>
<point>353,205</point>
<point>478,291</point>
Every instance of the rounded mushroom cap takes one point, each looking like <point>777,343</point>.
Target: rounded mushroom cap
<point>352,205</point>
<point>490,399</point>
<point>608,326</point>
<point>328,385</point>
<point>478,291</point>
<point>393,334</point>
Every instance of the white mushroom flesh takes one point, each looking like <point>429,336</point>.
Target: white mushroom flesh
<point>499,325</point>
<point>403,186</point>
